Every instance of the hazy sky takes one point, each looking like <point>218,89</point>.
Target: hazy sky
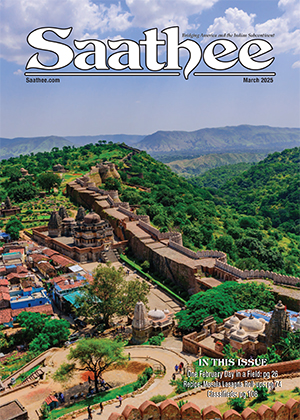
<point>143,105</point>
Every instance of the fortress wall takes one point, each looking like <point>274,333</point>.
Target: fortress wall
<point>221,256</point>
<point>178,272</point>
<point>87,199</point>
<point>168,410</point>
<point>183,250</point>
<point>129,213</point>
<point>154,231</point>
<point>253,274</point>
<point>132,215</point>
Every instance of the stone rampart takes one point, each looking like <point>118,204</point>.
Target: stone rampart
<point>87,197</point>
<point>134,216</point>
<point>153,231</point>
<point>169,410</point>
<point>253,274</point>
<point>186,251</point>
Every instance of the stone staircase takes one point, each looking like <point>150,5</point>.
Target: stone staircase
<point>111,255</point>
<point>35,375</point>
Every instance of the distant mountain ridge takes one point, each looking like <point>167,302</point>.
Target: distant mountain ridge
<point>243,138</point>
<point>26,145</point>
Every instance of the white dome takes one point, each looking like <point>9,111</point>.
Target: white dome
<point>234,320</point>
<point>251,324</point>
<point>240,331</point>
<point>156,314</point>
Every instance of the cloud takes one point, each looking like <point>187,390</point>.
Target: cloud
<point>19,72</point>
<point>285,27</point>
<point>19,18</point>
<point>296,65</point>
<point>165,13</point>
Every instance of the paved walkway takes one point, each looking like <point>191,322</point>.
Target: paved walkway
<point>169,355</point>
<point>160,386</point>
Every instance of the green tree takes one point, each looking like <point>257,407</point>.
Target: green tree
<point>262,393</point>
<point>112,184</point>
<point>33,324</point>
<point>226,244</point>
<point>110,294</point>
<point>94,355</point>
<point>40,344</point>
<point>13,227</point>
<point>222,301</point>
<point>48,180</point>
<point>237,404</point>
<point>271,356</point>
<point>290,346</point>
<point>22,190</point>
<point>42,332</point>
<point>134,291</point>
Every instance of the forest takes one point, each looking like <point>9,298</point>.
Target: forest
<point>253,217</point>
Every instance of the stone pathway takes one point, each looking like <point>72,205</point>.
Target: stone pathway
<point>160,386</point>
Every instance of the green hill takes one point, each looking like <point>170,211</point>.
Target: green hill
<point>199,165</point>
<point>25,145</point>
<point>208,219</point>
<point>215,178</point>
<point>269,189</point>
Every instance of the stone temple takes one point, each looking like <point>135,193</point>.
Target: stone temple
<point>87,230</point>
<point>252,335</point>
<point>148,325</point>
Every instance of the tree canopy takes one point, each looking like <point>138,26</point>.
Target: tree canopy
<point>223,301</point>
<point>110,294</point>
<point>42,332</point>
<point>48,180</point>
<point>94,355</point>
<point>13,227</point>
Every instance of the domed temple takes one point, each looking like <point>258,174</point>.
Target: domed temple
<point>253,335</point>
<point>88,230</point>
<point>92,231</point>
<point>146,325</point>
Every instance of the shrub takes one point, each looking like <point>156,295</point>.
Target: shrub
<point>156,340</point>
<point>181,403</point>
<point>180,388</point>
<point>158,398</point>
<point>237,404</point>
<point>143,378</point>
<point>262,393</point>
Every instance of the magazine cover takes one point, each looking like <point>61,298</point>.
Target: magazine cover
<point>149,209</point>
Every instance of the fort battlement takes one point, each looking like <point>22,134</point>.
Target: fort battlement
<point>164,250</point>
<point>169,410</point>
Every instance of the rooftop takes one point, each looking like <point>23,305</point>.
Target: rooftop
<point>11,410</point>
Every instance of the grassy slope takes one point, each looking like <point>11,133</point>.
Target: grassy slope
<point>199,165</point>
<point>215,178</point>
